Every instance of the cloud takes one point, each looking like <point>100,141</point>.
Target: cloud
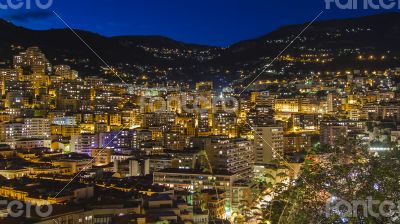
<point>30,15</point>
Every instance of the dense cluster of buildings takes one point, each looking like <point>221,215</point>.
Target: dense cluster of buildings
<point>102,152</point>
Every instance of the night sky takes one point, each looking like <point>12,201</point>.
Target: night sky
<point>212,22</point>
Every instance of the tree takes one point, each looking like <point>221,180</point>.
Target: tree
<point>348,172</point>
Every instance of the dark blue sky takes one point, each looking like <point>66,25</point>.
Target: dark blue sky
<point>214,22</point>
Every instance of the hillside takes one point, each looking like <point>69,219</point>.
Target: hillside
<point>357,43</point>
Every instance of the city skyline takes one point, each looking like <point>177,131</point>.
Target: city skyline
<point>299,126</point>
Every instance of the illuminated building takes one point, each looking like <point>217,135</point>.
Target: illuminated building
<point>214,201</point>
<point>287,105</point>
<point>34,58</point>
<point>354,114</point>
<point>334,102</point>
<point>244,109</point>
<point>84,143</point>
<point>308,122</point>
<point>65,130</point>
<point>117,139</point>
<point>187,159</point>
<point>132,167</point>
<point>115,120</point>
<point>162,119</point>
<point>296,143</point>
<point>40,192</point>
<point>175,141</point>
<point>103,212</point>
<point>198,180</point>
<point>75,162</point>
<point>230,155</point>
<point>160,162</point>
<point>37,127</point>
<point>11,131</point>
<point>131,115</point>
<point>264,99</point>
<point>29,143</point>
<point>9,75</point>
<point>385,96</point>
<point>15,99</point>
<point>225,123</point>
<point>268,144</point>
<point>101,118</point>
<point>203,123</point>
<point>331,133</point>
<point>107,101</point>
<point>293,105</point>
<point>65,72</point>
<point>29,128</point>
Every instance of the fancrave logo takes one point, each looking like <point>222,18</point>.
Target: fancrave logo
<point>365,208</point>
<point>363,4</point>
<point>18,209</point>
<point>25,4</point>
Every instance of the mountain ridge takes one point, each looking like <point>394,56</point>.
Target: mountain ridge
<point>137,55</point>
